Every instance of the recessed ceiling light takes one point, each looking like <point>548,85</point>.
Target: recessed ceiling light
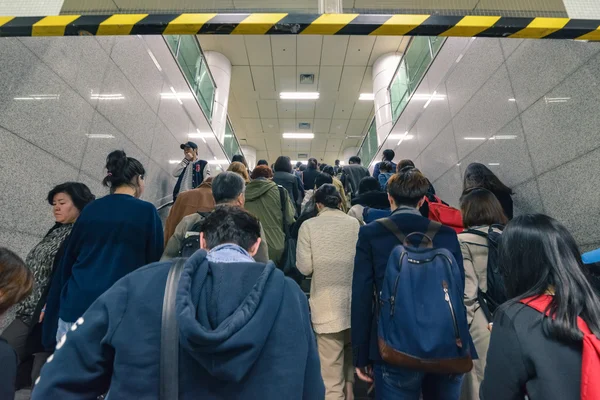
<point>503,137</point>
<point>512,99</point>
<point>474,138</point>
<point>494,163</point>
<point>299,95</point>
<point>99,135</point>
<point>366,96</point>
<point>298,135</point>
<point>177,95</point>
<point>400,136</point>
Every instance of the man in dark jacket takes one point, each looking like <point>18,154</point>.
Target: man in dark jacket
<point>244,329</point>
<point>388,155</point>
<point>352,174</point>
<point>406,192</point>
<point>191,171</point>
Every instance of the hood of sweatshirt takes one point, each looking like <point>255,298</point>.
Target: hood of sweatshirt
<point>373,199</point>
<point>258,187</point>
<point>225,313</point>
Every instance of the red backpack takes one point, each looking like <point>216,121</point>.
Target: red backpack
<point>444,214</point>
<point>590,365</point>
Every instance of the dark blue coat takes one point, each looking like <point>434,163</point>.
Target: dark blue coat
<point>375,244</point>
<point>245,333</point>
<point>197,177</point>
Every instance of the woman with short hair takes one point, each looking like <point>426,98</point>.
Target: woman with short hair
<point>478,175</point>
<point>24,333</point>
<point>482,214</point>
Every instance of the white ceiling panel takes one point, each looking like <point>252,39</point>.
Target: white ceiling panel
<point>359,50</point>
<point>288,125</point>
<point>234,48</point>
<point>367,83</point>
<point>270,125</point>
<point>351,143</point>
<point>329,79</point>
<point>321,125</point>
<point>343,110</point>
<point>362,110</point>
<point>285,79</point>
<point>262,155</point>
<point>384,45</point>
<point>333,145</point>
<point>338,126</point>
<point>305,109</point>
<point>259,49</point>
<point>241,82</point>
<point>284,49</point>
<point>318,144</point>
<point>303,145</point>
<point>258,143</point>
<point>273,145</point>
<point>252,125</point>
<point>324,109</point>
<point>334,50</point>
<point>267,108</point>
<point>356,127</point>
<point>331,156</point>
<point>351,80</point>
<point>263,78</point>
<point>286,109</point>
<point>248,109</point>
<point>309,49</point>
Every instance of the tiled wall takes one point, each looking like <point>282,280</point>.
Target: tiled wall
<point>545,94</point>
<point>46,142</point>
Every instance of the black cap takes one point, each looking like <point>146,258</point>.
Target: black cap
<point>190,145</point>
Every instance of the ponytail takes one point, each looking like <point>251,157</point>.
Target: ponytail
<point>121,170</point>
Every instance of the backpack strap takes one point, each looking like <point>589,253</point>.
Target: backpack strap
<point>392,227</point>
<point>432,229</point>
<point>169,336</point>
<point>284,205</point>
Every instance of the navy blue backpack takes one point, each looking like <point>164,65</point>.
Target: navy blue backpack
<point>422,317</point>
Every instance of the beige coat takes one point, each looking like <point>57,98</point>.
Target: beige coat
<point>475,253</point>
<point>326,249</point>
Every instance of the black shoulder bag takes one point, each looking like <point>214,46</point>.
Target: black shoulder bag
<point>169,336</point>
<point>288,259</point>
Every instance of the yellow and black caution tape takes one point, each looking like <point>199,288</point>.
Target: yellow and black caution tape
<point>301,24</point>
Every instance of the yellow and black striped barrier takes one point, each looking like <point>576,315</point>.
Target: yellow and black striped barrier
<point>301,24</point>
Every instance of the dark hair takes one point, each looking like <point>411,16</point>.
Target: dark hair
<point>16,280</point>
<point>230,224</point>
<point>302,167</point>
<point>322,167</point>
<point>262,171</point>
<point>403,164</point>
<point>368,184</point>
<point>227,186</point>
<point>386,166</point>
<point>298,164</point>
<point>283,164</point>
<point>354,160</point>
<point>239,158</point>
<point>537,253</point>
<point>478,175</point>
<point>481,207</point>
<point>262,162</point>
<point>312,163</point>
<point>328,195</point>
<point>322,179</point>
<point>408,187</point>
<point>388,155</point>
<point>79,193</point>
<point>328,169</point>
<point>121,170</point>
<point>337,162</point>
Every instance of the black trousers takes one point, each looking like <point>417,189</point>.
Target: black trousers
<point>27,344</point>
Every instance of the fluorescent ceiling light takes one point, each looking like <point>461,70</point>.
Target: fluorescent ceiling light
<point>494,163</point>
<point>401,136</point>
<point>299,95</point>
<point>512,99</point>
<point>99,136</point>
<point>366,96</point>
<point>217,161</point>
<point>474,138</point>
<point>174,161</point>
<point>298,135</point>
<point>503,137</point>
<point>557,99</point>
<point>433,97</point>
<point>39,97</point>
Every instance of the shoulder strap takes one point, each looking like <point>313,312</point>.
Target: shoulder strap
<point>432,230</point>
<point>169,337</point>
<point>392,227</point>
<point>283,201</point>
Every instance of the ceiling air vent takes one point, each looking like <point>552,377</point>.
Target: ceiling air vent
<point>302,156</point>
<point>307,79</point>
<point>304,125</point>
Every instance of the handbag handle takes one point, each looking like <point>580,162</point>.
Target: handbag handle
<point>169,336</point>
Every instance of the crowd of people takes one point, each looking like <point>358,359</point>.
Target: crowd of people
<point>292,281</point>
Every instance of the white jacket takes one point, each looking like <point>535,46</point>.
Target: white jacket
<point>326,249</point>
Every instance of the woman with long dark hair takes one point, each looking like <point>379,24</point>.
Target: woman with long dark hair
<point>530,353</point>
<point>308,176</point>
<point>478,175</point>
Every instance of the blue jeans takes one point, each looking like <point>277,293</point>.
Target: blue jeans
<point>406,384</point>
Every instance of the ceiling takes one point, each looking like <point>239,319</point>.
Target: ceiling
<point>264,66</point>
